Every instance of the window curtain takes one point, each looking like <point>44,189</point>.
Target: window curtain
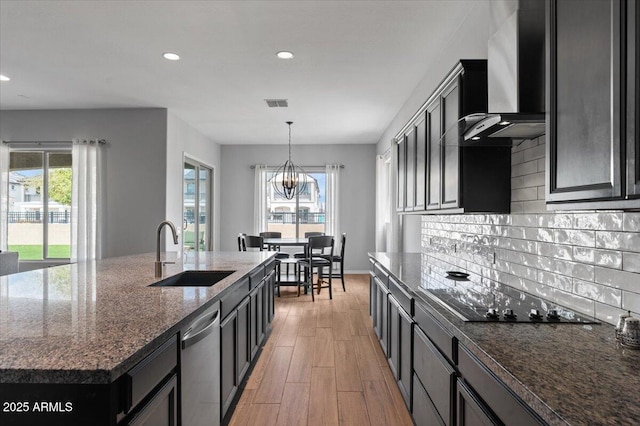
<point>260,200</point>
<point>86,200</point>
<point>4,195</point>
<point>332,214</point>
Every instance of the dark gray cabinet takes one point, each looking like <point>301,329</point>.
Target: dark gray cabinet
<point>591,126</point>
<point>633,98</point>
<point>258,319</point>
<point>161,409</point>
<point>471,410</point>
<point>401,165</point>
<point>497,398</point>
<point>228,359</point>
<point>458,177</point>
<point>401,347</point>
<point>436,376</point>
<point>421,164</point>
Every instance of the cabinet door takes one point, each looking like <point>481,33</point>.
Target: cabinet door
<point>410,194</point>
<point>373,309</point>
<point>471,410</point>
<point>256,332</point>
<point>401,150</point>
<point>243,346</point>
<point>584,159</point>
<point>633,99</point>
<point>382,314</point>
<point>228,359</point>
<point>434,127</point>
<point>421,164</point>
<point>450,174</point>
<point>436,375</point>
<point>161,409</point>
<point>423,412</point>
<point>271,282</point>
<point>393,338</point>
<point>405,361</point>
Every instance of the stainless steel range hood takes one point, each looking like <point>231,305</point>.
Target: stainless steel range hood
<point>516,79</point>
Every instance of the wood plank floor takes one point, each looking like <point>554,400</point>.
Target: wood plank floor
<point>322,365</point>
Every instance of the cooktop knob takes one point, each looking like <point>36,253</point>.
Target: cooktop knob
<point>535,314</point>
<point>509,314</point>
<point>493,313</point>
<point>553,314</point>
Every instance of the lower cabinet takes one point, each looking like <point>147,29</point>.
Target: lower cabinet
<point>471,410</point>
<point>243,331</point>
<point>436,375</point>
<point>401,347</point>
<point>161,409</point>
<point>423,413</point>
<point>491,395</point>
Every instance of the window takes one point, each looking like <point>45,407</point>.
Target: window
<point>39,214</point>
<point>303,213</point>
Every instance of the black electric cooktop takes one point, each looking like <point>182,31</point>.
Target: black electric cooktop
<point>475,302</point>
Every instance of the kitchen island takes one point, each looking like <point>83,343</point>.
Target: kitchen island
<point>83,326</point>
<point>557,373</point>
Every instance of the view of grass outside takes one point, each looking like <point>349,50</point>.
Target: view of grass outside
<point>34,252</point>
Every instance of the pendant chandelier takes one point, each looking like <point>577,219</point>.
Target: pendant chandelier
<point>289,179</point>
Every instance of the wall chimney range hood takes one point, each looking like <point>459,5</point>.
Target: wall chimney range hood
<point>516,80</point>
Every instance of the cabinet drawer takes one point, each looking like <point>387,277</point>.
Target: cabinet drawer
<point>256,276</point>
<point>381,274</point>
<point>435,374</point>
<point>501,400</point>
<point>149,372</point>
<point>404,299</point>
<point>424,413</point>
<point>231,300</point>
<point>440,337</point>
<point>269,266</point>
<point>472,411</point>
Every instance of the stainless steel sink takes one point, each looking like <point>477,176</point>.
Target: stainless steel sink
<point>193,279</point>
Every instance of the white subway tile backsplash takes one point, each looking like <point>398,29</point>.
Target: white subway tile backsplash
<point>597,292</point>
<point>598,221</point>
<point>608,258</point>
<point>588,261</point>
<point>631,262</point>
<point>631,301</point>
<point>631,222</point>
<point>619,279</point>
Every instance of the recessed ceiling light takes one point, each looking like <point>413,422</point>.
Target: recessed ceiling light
<point>475,138</point>
<point>284,54</point>
<point>171,56</point>
<point>504,123</point>
<point>4,77</point>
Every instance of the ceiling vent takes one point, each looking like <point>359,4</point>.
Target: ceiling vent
<point>277,103</point>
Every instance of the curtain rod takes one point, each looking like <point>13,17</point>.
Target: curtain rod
<point>100,141</point>
<point>253,166</point>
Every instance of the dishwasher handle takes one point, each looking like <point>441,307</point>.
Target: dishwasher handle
<point>201,328</point>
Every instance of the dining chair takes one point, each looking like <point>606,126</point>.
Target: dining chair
<point>241,241</point>
<point>339,259</point>
<point>301,255</point>
<point>319,255</point>
<point>252,242</point>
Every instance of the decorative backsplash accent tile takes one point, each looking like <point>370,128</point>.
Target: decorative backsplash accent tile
<point>588,261</point>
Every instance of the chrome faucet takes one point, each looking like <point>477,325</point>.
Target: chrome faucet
<point>160,264</point>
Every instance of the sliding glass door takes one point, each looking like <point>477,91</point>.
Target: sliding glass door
<point>197,229</point>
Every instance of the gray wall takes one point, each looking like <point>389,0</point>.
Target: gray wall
<point>356,196</point>
<point>135,160</point>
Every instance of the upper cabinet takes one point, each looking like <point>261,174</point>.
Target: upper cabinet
<point>592,121</point>
<point>437,173</point>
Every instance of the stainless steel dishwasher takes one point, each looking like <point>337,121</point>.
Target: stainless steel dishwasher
<point>200,370</point>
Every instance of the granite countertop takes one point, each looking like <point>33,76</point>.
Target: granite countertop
<point>569,373</point>
<point>90,322</point>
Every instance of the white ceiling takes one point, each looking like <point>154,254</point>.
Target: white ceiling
<point>356,62</point>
